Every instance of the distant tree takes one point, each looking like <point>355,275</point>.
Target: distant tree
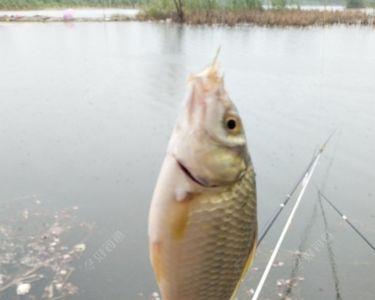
<point>356,3</point>
<point>179,5</point>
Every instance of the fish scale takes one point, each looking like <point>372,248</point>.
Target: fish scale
<point>216,244</point>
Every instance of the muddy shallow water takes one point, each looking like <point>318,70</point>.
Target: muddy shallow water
<point>86,111</point>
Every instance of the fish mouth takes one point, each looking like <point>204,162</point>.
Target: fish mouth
<point>193,178</point>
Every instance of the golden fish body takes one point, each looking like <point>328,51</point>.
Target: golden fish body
<point>208,241</point>
<point>203,216</point>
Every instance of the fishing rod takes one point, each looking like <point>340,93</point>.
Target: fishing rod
<point>305,182</point>
<point>345,218</point>
<point>278,211</point>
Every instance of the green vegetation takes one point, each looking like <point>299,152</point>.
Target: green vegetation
<point>356,3</point>
<point>158,9</point>
<point>278,4</point>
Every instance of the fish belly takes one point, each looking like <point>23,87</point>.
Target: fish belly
<point>205,253</point>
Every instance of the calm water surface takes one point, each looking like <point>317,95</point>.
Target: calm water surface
<point>86,111</point>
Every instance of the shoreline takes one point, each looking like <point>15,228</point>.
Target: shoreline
<point>260,17</point>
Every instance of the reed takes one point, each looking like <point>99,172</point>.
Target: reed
<point>275,17</point>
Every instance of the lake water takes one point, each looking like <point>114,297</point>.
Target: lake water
<point>86,111</point>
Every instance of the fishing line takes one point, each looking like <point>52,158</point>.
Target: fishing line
<point>345,218</point>
<point>305,183</point>
<point>329,245</point>
<point>305,237</point>
<point>307,232</point>
<point>278,211</point>
<point>331,255</point>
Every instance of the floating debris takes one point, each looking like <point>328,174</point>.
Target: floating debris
<point>285,285</point>
<point>280,282</point>
<point>80,247</point>
<point>155,296</point>
<point>63,272</point>
<point>56,230</point>
<point>39,243</point>
<point>23,288</point>
<point>250,292</point>
<point>277,264</point>
<point>300,278</point>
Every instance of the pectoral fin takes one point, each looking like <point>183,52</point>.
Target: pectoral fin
<point>156,260</point>
<point>179,217</point>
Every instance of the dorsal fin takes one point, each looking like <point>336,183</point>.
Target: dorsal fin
<point>210,76</point>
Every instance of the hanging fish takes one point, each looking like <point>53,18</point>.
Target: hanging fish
<point>203,215</point>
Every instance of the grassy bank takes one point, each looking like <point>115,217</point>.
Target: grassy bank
<point>287,17</point>
<point>282,18</point>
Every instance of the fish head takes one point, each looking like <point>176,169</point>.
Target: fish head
<point>209,140</point>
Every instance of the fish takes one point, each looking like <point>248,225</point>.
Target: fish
<point>203,214</point>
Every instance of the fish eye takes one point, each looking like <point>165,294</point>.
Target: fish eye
<point>231,124</point>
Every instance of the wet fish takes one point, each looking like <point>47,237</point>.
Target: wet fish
<point>203,215</point>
